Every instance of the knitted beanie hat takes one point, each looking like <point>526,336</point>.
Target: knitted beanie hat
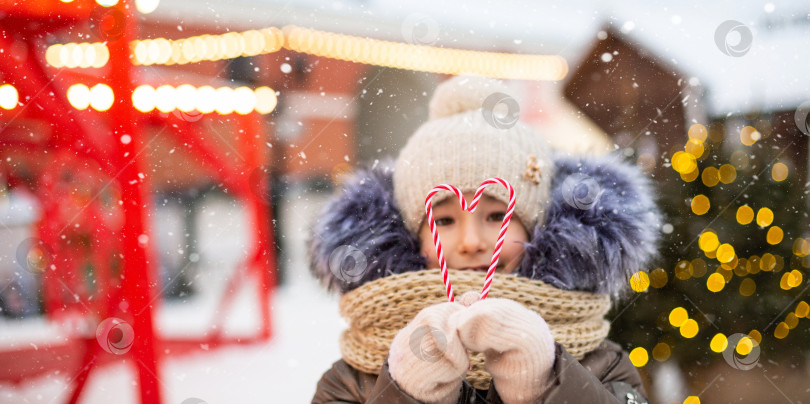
<point>473,134</point>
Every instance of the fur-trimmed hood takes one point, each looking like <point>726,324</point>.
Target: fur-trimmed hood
<point>601,226</point>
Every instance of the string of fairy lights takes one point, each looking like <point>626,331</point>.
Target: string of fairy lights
<point>729,264</point>
<point>225,100</point>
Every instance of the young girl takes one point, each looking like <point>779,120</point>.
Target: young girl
<point>581,226</point>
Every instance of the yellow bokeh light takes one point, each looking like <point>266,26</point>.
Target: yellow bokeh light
<point>802,309</point>
<point>143,98</point>
<point>779,172</point>
<point>698,267</point>
<point>225,100</point>
<point>52,56</point>
<point>698,132</point>
<point>683,270</point>
<point>165,98</point>
<point>708,241</point>
<point>639,357</point>
<point>88,55</point>
<point>79,96</point>
<point>725,253</point>
<point>794,278</point>
<point>727,173</point>
<point>764,217</point>
<point>658,278</point>
<point>774,235</point>
<point>694,147</point>
<point>801,247</point>
<point>756,336</point>
<point>791,320</point>
<point>683,162</point>
<point>266,100</point>
<point>678,316</point>
<point>690,176</point>
<point>749,135</point>
<point>102,55</point>
<point>244,99</point>
<point>76,55</point>
<point>146,6</point>
<point>206,99</point>
<point>781,330</point>
<point>700,204</point>
<point>748,287</point>
<point>692,400</point>
<point>744,346</point>
<point>8,96</point>
<point>709,176</point>
<point>661,351</point>
<point>689,328</point>
<point>767,262</point>
<point>715,282</point>
<point>101,97</point>
<point>719,343</point>
<point>745,214</point>
<point>185,95</point>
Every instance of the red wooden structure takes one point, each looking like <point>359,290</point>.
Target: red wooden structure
<point>87,170</point>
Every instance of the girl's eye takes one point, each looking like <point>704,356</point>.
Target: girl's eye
<point>496,217</point>
<point>444,221</point>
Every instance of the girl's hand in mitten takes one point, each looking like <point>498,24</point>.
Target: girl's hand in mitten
<point>517,343</point>
<point>426,358</point>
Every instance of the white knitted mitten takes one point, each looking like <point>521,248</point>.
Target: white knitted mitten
<point>517,343</point>
<point>426,358</point>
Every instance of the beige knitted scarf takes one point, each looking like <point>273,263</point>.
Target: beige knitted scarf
<point>377,310</point>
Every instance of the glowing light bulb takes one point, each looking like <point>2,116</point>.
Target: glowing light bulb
<point>143,98</point>
<point>225,100</point>
<point>206,99</point>
<point>79,96</point>
<point>266,100</point>
<point>146,6</point>
<point>165,98</point>
<point>244,100</point>
<point>8,96</point>
<point>185,97</point>
<point>101,97</point>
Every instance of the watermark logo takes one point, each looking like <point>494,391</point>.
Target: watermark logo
<point>802,117</point>
<point>188,116</point>
<point>107,23</point>
<point>733,38</point>
<point>581,191</point>
<point>500,111</point>
<point>419,29</point>
<point>428,343</point>
<point>259,183</point>
<point>735,359</point>
<point>34,256</point>
<point>115,336</point>
<point>348,263</point>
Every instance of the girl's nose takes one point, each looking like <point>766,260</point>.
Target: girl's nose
<point>472,240</point>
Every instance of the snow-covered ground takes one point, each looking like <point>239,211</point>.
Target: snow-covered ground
<point>305,321</point>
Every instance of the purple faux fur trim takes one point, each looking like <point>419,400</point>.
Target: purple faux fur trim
<point>602,226</point>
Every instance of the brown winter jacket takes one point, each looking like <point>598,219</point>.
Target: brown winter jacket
<point>604,375</point>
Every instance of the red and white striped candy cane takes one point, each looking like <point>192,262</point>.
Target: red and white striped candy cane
<point>471,208</point>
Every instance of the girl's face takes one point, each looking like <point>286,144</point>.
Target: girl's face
<point>468,239</point>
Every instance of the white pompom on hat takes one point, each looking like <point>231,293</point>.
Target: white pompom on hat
<point>466,141</point>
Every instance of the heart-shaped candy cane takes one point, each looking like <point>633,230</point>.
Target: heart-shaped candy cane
<point>471,208</point>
